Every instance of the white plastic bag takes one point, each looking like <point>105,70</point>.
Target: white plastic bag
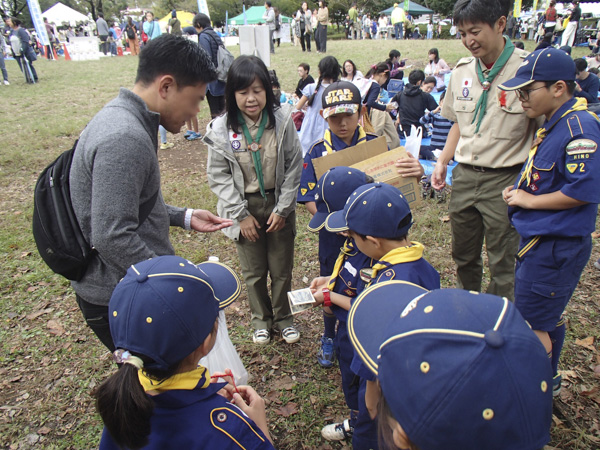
<point>224,355</point>
<point>413,142</point>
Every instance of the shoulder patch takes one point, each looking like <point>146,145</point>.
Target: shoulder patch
<point>465,60</point>
<point>236,426</point>
<point>579,146</point>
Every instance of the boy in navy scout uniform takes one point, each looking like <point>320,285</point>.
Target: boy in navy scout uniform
<point>489,139</point>
<point>447,381</point>
<point>336,290</point>
<point>554,203</point>
<point>163,319</point>
<point>385,240</point>
<point>341,104</point>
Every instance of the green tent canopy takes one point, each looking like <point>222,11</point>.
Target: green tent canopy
<point>254,15</point>
<point>414,9</point>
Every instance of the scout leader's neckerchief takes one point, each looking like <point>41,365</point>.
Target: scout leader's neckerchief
<point>347,250</point>
<point>186,381</point>
<point>580,105</point>
<point>328,142</point>
<point>254,147</point>
<point>486,82</point>
<point>399,255</point>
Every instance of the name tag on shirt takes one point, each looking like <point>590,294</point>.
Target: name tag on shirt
<point>350,268</point>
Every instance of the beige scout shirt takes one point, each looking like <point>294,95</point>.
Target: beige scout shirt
<point>505,134</point>
<point>268,156</point>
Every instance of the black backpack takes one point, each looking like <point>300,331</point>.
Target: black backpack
<point>130,32</point>
<point>57,234</point>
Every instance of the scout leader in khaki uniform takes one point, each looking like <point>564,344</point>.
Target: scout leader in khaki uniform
<point>490,138</point>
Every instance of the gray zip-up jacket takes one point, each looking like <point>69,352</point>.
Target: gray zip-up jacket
<point>115,170</point>
<point>226,179</point>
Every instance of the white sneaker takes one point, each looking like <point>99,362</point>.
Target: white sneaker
<point>337,431</point>
<point>261,337</point>
<point>290,335</point>
<point>6,83</point>
<point>597,264</point>
<point>167,145</point>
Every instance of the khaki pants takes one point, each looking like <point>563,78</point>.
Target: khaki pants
<point>477,211</point>
<point>272,254</point>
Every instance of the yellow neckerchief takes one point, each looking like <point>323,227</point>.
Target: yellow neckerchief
<point>186,380</point>
<point>345,251</point>
<point>399,255</point>
<point>580,105</point>
<point>327,140</point>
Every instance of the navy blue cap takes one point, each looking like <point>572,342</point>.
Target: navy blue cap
<point>458,369</point>
<point>165,307</point>
<point>376,209</point>
<point>548,64</point>
<point>333,189</point>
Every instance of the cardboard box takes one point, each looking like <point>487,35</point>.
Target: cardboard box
<point>373,158</point>
<point>350,155</point>
<point>382,167</point>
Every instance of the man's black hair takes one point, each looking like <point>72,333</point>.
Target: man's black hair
<point>580,64</point>
<point>305,66</point>
<point>480,11</point>
<point>201,21</point>
<point>101,15</point>
<point>174,55</point>
<point>415,76</point>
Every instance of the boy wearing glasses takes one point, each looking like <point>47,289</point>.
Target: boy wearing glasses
<point>554,203</point>
<point>490,139</point>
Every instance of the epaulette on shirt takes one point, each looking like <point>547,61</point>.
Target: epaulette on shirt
<point>574,125</point>
<point>320,141</point>
<point>236,427</point>
<point>465,60</point>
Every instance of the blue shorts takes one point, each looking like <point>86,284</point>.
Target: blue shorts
<point>345,352</point>
<point>546,275</point>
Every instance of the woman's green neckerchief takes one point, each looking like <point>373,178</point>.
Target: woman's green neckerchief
<point>254,147</point>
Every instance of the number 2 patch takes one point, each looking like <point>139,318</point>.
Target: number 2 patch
<point>573,167</point>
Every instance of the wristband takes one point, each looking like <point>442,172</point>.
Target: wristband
<point>187,221</point>
<point>326,297</point>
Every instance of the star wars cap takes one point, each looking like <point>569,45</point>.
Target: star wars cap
<point>458,369</point>
<point>340,97</point>
<point>377,210</point>
<point>165,307</point>
<point>548,64</point>
<point>333,189</point>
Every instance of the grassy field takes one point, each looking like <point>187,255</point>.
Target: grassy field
<point>50,361</point>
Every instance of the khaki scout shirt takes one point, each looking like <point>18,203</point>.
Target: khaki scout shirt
<point>268,157</point>
<point>505,134</point>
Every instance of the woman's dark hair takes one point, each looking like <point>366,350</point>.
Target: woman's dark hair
<point>16,22</point>
<point>201,21</point>
<point>344,73</point>
<point>329,68</point>
<point>377,69</point>
<point>242,73</point>
<point>130,21</point>
<point>434,51</point>
<point>480,11</point>
<point>177,56</point>
<point>385,435</point>
<point>124,407</point>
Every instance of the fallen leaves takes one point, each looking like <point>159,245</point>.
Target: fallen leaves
<point>288,410</point>
<point>588,343</point>
<point>55,327</point>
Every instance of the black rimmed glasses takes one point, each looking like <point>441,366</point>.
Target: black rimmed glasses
<point>523,94</point>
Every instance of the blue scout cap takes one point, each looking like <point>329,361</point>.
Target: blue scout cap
<point>333,189</point>
<point>376,209</point>
<point>458,369</point>
<point>165,307</point>
<point>340,97</point>
<point>548,64</point>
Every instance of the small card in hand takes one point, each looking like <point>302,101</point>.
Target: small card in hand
<point>301,300</point>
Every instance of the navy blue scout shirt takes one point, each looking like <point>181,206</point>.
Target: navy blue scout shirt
<point>565,161</point>
<point>198,419</point>
<point>348,281</point>
<point>308,179</point>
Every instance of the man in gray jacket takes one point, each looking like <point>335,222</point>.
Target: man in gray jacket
<point>115,176</point>
<point>102,30</point>
<point>269,17</point>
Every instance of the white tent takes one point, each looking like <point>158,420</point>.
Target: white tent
<point>60,13</point>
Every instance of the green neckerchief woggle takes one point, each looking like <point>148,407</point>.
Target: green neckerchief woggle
<point>254,147</point>
<point>486,82</point>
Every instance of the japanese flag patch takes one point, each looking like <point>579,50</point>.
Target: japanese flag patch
<point>580,146</point>
<point>236,142</point>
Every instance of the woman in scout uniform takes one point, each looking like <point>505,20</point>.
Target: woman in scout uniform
<point>254,165</point>
<point>336,290</point>
<point>554,203</point>
<point>164,317</point>
<point>490,139</point>
<point>455,369</point>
